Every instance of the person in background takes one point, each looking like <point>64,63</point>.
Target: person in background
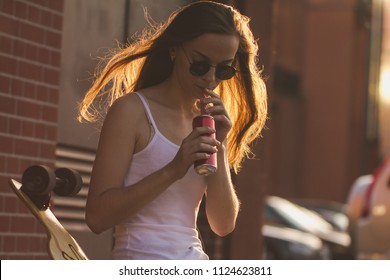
<point>143,182</point>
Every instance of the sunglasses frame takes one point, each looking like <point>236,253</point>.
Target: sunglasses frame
<point>209,66</point>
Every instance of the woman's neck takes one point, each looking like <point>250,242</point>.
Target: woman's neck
<point>172,96</point>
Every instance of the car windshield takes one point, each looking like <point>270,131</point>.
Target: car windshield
<point>300,217</point>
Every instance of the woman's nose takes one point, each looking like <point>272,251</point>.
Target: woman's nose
<point>210,75</point>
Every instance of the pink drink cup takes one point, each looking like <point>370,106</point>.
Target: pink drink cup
<point>205,166</point>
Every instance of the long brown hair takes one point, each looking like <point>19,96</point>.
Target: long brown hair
<point>146,62</point>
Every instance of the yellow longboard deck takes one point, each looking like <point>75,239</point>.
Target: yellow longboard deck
<point>61,244</point>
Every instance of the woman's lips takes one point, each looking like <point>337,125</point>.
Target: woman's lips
<point>205,92</point>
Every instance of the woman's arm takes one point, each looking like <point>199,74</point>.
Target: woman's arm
<point>222,204</point>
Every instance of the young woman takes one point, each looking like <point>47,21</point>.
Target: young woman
<point>143,182</point>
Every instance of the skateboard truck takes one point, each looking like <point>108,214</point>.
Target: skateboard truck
<point>38,181</point>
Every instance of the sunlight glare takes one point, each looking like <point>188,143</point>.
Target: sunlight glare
<point>385,86</point>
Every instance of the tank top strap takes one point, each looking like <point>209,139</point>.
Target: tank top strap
<point>148,112</point>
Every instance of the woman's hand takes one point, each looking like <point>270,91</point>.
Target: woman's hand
<point>196,146</point>
<point>223,123</point>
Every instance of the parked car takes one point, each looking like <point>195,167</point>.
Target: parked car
<point>331,211</point>
<point>368,208</point>
<point>284,212</point>
<point>283,243</point>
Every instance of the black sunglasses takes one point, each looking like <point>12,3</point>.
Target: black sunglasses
<point>200,68</point>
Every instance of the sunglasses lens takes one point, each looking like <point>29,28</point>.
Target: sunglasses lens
<point>225,72</point>
<point>199,68</point>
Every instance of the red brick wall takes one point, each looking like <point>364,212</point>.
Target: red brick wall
<point>30,45</point>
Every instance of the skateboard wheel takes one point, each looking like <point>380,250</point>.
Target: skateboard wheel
<point>38,180</point>
<point>69,182</point>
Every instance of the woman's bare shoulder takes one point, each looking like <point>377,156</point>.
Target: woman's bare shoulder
<point>126,102</point>
<point>128,107</point>
<point>124,115</point>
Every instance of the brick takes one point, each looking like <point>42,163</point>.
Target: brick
<point>5,44</point>
<point>17,87</point>
<point>19,48</point>
<point>9,243</point>
<point>44,256</point>
<point>32,33</point>
<point>22,208</point>
<point>23,244</point>
<point>51,76</point>
<point>53,39</point>
<point>15,126</point>
<point>42,3</point>
<point>29,90</point>
<point>46,18</point>
<point>9,25</point>
<point>7,7</point>
<point>39,228</point>
<point>56,5</point>
<point>6,144</point>
<point>47,150</point>
<point>7,105</point>
<point>44,56</point>
<point>4,186</point>
<point>3,129</point>
<point>8,65</point>
<point>57,22</point>
<point>55,59</point>
<point>42,93</point>
<point>4,224</point>
<point>34,14</point>
<point>30,71</point>
<point>28,109</point>
<point>20,10</point>
<point>51,133</point>
<point>31,53</point>
<point>13,165</point>
<point>37,244</point>
<point>2,198</point>
<point>22,224</point>
<point>5,84</point>
<point>11,204</point>
<point>49,113</point>
<point>42,96</point>
<point>28,129</point>
<point>26,148</point>
<point>40,131</point>
<point>54,96</point>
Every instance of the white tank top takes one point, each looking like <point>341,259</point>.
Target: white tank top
<point>166,227</point>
